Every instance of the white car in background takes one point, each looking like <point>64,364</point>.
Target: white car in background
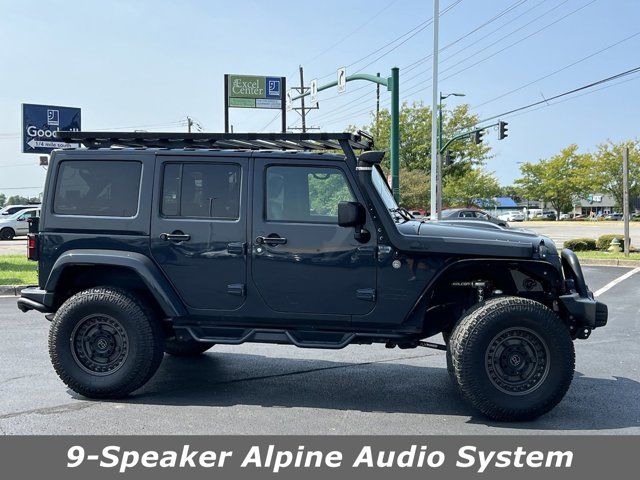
<point>512,216</point>
<point>17,225</point>
<point>11,209</point>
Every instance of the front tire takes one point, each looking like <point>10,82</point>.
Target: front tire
<point>104,343</point>
<point>512,358</point>
<point>189,348</point>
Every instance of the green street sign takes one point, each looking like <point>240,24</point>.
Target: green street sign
<point>242,102</point>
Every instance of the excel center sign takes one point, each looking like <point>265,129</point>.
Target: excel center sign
<point>251,91</point>
<point>244,91</point>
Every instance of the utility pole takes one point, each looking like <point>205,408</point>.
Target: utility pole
<point>189,124</point>
<point>377,108</point>
<point>303,109</point>
<point>625,198</point>
<point>435,213</point>
<point>303,112</point>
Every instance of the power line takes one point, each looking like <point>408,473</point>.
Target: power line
<point>449,8</point>
<point>564,94</point>
<point>515,43</point>
<point>418,28</point>
<point>559,70</point>
<point>571,98</point>
<point>421,87</point>
<point>487,22</point>
<point>354,31</point>
<point>498,41</point>
<point>513,6</point>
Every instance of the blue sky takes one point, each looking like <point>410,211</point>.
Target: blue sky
<point>149,64</point>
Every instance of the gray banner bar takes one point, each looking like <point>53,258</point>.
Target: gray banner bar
<point>295,457</point>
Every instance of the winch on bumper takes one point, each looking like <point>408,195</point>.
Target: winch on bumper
<point>585,313</point>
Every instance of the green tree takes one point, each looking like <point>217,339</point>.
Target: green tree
<point>3,199</point>
<point>414,188</point>
<point>607,169</point>
<point>415,137</point>
<point>475,188</point>
<point>512,191</point>
<point>559,180</point>
<point>17,200</point>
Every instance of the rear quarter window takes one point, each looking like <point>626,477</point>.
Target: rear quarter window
<point>98,188</point>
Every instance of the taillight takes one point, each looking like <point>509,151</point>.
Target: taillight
<point>32,246</point>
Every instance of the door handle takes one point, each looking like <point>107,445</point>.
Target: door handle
<point>176,236</point>
<point>271,240</point>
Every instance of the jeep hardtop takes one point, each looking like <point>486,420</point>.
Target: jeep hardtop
<point>151,243</point>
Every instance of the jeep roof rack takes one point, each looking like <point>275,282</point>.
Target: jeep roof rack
<point>223,141</point>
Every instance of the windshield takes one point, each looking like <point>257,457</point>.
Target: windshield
<point>383,190</point>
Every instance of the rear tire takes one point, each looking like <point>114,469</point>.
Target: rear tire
<point>189,348</point>
<point>104,343</point>
<point>7,233</point>
<point>511,358</point>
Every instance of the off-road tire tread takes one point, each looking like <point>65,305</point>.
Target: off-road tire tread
<point>470,328</point>
<point>148,327</point>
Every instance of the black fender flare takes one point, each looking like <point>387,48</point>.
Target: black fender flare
<point>422,303</point>
<point>142,265</point>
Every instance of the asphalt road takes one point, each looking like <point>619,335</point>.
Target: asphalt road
<point>272,389</point>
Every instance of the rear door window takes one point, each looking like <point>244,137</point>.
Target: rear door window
<point>201,190</point>
<point>98,188</point>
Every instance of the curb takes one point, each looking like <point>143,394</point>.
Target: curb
<point>11,290</point>
<point>614,262</point>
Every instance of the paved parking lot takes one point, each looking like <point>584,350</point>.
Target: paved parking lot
<point>559,232</point>
<point>16,246</point>
<point>272,389</point>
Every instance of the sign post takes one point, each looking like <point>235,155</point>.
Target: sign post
<point>250,91</point>
<point>40,122</point>
<point>393,86</point>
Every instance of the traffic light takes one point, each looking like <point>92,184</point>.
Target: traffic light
<point>502,130</point>
<point>477,136</point>
<point>448,159</point>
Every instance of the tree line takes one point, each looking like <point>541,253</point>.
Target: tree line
<point>16,200</point>
<point>560,180</point>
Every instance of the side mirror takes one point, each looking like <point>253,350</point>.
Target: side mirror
<point>351,214</point>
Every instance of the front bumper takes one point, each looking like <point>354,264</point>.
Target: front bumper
<point>33,298</point>
<point>583,309</point>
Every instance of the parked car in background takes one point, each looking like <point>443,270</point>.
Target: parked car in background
<point>546,215</point>
<point>11,209</point>
<point>512,216</point>
<point>614,216</point>
<point>471,214</point>
<point>17,224</point>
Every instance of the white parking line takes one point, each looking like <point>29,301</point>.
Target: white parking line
<point>613,283</point>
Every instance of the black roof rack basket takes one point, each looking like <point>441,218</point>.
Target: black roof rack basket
<point>223,141</point>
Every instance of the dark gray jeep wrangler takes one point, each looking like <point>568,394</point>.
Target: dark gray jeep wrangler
<point>151,243</point>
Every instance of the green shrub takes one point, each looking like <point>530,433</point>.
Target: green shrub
<point>604,241</point>
<point>581,244</point>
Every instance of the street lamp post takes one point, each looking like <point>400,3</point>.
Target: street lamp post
<point>439,165</point>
